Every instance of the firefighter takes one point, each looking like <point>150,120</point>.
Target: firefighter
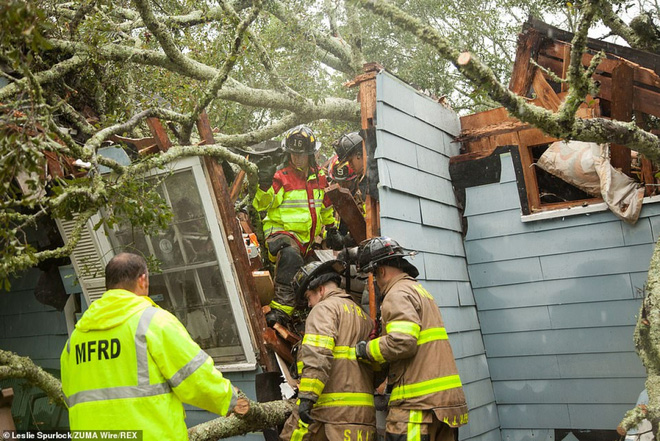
<point>130,365</point>
<point>297,209</point>
<point>427,399</point>
<point>349,149</point>
<point>335,397</point>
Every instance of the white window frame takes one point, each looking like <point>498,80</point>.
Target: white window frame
<point>229,276</point>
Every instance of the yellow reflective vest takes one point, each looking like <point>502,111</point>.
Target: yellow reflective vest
<point>296,204</point>
<point>130,365</point>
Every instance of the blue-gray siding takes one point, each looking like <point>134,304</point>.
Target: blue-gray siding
<point>28,327</point>
<point>418,208</point>
<point>557,301</point>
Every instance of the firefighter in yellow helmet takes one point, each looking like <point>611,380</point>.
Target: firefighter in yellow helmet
<point>427,400</point>
<point>297,210</point>
<point>336,399</point>
<point>130,365</point>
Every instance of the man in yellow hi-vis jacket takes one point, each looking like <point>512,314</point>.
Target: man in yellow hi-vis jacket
<point>130,365</point>
<point>427,401</point>
<point>336,399</point>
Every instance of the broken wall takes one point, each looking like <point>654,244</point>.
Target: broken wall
<point>418,209</point>
<point>557,301</point>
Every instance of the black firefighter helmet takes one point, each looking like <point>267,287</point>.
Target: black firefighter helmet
<point>315,274</point>
<point>300,140</point>
<point>346,145</point>
<point>379,250</point>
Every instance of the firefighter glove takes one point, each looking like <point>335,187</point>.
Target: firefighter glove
<point>266,173</point>
<point>305,410</point>
<point>361,350</point>
<point>334,239</point>
<point>348,255</point>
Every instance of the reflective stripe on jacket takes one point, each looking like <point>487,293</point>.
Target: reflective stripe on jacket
<point>129,365</point>
<point>296,204</point>
<point>341,386</point>
<point>422,367</point>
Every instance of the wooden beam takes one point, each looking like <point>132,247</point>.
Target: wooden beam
<point>545,93</point>
<point>367,98</point>
<point>529,43</point>
<point>236,186</point>
<point>622,110</point>
<point>160,135</point>
<point>238,254</point>
<point>529,174</point>
<point>348,211</point>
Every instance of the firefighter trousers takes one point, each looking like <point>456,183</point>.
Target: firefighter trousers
<point>422,425</point>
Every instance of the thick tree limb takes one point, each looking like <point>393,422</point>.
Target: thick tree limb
<point>57,71</point>
<point>259,416</point>
<point>612,20</point>
<point>328,108</point>
<point>647,343</point>
<point>15,366</point>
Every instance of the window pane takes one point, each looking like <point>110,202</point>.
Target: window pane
<point>191,286</point>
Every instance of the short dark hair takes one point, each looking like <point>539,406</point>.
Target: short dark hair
<point>123,270</point>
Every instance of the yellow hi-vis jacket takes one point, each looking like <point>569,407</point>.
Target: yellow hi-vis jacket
<point>296,204</point>
<point>129,365</point>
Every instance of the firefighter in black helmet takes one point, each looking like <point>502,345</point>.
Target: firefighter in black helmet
<point>348,171</point>
<point>349,148</point>
<point>427,394</point>
<point>297,210</point>
<point>336,391</point>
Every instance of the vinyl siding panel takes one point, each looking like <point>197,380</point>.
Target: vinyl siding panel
<point>557,292</point>
<point>628,365</point>
<point>418,209</point>
<point>557,301</point>
<point>29,328</point>
<point>400,95</point>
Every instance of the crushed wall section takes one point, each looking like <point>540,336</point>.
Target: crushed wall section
<point>557,300</point>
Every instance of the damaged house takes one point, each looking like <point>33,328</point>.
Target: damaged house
<point>536,250</point>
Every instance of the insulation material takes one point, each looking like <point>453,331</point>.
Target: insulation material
<point>586,165</point>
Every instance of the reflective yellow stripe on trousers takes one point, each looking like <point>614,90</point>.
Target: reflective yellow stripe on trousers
<point>302,429</point>
<point>415,426</point>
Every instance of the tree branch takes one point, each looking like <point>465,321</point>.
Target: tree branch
<point>598,130</point>
<point>259,416</point>
<point>223,74</point>
<point>618,27</point>
<point>579,82</point>
<point>43,77</point>
<point>332,45</point>
<point>328,108</point>
<point>15,366</point>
